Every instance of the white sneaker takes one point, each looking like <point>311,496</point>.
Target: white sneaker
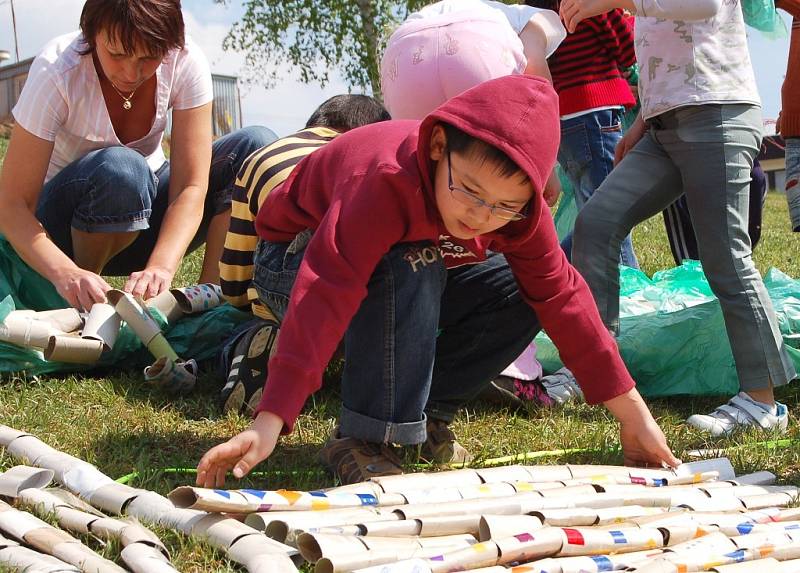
<point>562,387</point>
<point>741,411</point>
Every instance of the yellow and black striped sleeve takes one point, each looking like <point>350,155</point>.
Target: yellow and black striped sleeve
<point>264,170</point>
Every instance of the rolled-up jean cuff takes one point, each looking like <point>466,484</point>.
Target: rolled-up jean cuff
<point>355,425</point>
<point>119,224</point>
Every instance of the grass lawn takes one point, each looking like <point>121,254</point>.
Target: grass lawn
<point>121,425</point>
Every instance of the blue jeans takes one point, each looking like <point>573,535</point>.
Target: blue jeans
<point>705,151</point>
<point>396,369</point>
<point>113,190</point>
<point>586,154</point>
<point>793,181</point>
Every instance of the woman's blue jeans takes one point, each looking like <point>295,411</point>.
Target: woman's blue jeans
<point>397,369</point>
<point>586,154</point>
<point>113,190</point>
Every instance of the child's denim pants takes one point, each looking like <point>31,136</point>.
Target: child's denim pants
<point>113,190</point>
<point>396,369</point>
<point>705,151</point>
<point>586,155</point>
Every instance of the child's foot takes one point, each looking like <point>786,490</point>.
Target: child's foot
<point>441,446</point>
<point>515,393</point>
<point>353,460</point>
<point>562,387</point>
<point>740,412</point>
<point>248,370</point>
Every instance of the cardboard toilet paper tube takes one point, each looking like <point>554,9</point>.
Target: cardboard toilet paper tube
<point>73,350</point>
<point>498,506</point>
<point>198,298</point>
<point>574,516</point>
<point>102,324</point>
<point>789,566</point>
<point>175,377</point>
<point>143,558</point>
<point>167,304</point>
<point>160,348</point>
<point>277,524</point>
<point>757,566</point>
<point>499,526</point>
<point>375,558</point>
<point>19,478</point>
<point>608,515</point>
<point>249,501</point>
<point>405,566</point>
<point>484,554</point>
<point>25,330</point>
<point>64,319</point>
<point>504,474</point>
<point>134,315</point>
<point>590,541</point>
<point>530,545</point>
<point>420,480</point>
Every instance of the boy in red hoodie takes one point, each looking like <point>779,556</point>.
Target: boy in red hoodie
<point>395,231</point>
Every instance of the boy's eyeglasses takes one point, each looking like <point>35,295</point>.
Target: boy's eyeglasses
<point>471,200</point>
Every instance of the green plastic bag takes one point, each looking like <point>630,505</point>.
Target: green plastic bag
<point>762,15</point>
<point>197,336</point>
<point>672,334</point>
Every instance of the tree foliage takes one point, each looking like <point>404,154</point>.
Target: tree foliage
<point>317,37</point>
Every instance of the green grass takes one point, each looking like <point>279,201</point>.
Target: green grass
<point>118,423</point>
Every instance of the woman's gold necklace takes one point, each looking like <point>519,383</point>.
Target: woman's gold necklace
<point>126,105</point>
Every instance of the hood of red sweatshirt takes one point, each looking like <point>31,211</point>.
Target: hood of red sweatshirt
<point>516,114</point>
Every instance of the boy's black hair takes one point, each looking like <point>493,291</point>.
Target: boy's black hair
<point>465,144</point>
<point>348,111</point>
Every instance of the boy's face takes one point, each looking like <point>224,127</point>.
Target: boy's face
<point>476,187</point>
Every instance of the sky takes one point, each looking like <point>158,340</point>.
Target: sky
<point>286,106</point>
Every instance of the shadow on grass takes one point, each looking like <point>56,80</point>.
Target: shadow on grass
<point>161,461</point>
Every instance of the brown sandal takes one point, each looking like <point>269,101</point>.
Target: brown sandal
<point>353,460</point>
<point>441,446</point>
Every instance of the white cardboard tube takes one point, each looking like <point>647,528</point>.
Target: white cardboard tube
<point>20,478</point>
<point>167,304</point>
<point>25,330</point>
<point>102,324</point>
<point>74,350</point>
<point>134,315</point>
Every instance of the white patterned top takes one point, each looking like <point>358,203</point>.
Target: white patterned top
<point>62,101</point>
<point>692,62</point>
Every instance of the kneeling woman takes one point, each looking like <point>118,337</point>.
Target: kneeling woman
<point>86,188</point>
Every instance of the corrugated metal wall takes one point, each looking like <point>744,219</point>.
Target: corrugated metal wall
<point>226,115</point>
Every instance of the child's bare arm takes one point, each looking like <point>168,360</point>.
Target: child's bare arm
<point>242,452</point>
<point>534,44</point>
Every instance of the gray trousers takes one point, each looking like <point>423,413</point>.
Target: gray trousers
<point>705,151</point>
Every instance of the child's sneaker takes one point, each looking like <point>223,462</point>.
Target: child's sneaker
<point>248,370</point>
<point>353,460</point>
<point>441,447</point>
<point>515,393</point>
<point>740,412</point>
<point>562,387</point>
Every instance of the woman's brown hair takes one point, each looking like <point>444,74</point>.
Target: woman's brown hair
<point>155,25</point>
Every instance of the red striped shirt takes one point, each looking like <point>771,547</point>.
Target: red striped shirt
<point>586,67</point>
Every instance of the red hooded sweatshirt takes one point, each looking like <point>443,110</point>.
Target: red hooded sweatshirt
<point>372,188</point>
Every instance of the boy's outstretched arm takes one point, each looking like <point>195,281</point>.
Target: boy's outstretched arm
<point>642,441</point>
<point>242,452</point>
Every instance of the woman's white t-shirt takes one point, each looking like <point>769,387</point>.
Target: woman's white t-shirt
<point>62,101</point>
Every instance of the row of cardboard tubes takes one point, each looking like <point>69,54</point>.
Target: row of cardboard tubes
<point>544,519</point>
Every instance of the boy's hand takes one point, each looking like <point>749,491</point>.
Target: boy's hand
<point>635,132</point>
<point>552,189</point>
<point>643,442</point>
<point>242,452</point>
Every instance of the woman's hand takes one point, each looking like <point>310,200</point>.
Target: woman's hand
<point>241,453</point>
<point>150,282</point>
<point>643,442</point>
<point>81,288</point>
